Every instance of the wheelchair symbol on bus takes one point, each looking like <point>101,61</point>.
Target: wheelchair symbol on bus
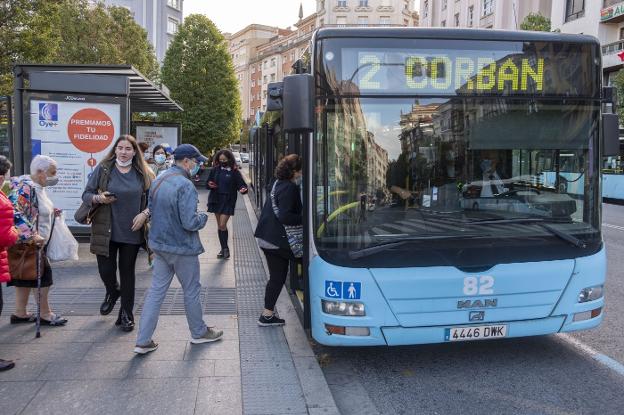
<point>333,289</point>
<point>347,290</point>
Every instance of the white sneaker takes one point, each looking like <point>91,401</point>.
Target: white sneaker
<point>150,347</point>
<point>211,335</point>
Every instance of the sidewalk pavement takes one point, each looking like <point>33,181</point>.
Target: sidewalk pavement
<point>88,367</point>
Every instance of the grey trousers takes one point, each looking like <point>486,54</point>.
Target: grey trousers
<point>186,268</point>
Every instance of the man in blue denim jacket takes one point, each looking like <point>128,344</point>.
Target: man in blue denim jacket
<point>174,238</point>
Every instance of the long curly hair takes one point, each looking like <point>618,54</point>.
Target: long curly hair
<point>230,157</point>
<point>287,167</point>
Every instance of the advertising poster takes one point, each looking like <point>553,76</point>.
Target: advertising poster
<point>77,134</point>
<point>158,134</point>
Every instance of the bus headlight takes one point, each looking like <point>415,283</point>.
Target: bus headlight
<point>342,308</point>
<point>590,294</point>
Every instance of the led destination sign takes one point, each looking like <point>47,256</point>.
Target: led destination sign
<point>442,73</point>
<point>480,68</point>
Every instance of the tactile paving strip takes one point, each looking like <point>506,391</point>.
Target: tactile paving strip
<point>264,353</point>
<point>86,301</point>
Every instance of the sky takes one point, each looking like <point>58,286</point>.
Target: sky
<point>233,15</point>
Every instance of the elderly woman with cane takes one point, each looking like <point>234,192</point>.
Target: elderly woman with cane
<point>34,219</point>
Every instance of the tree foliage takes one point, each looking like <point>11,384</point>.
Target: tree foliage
<point>618,82</point>
<point>70,32</point>
<point>18,40</point>
<point>536,22</point>
<point>198,71</point>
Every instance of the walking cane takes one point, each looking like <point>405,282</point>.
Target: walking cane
<point>38,323</point>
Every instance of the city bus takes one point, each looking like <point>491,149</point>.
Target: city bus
<point>437,198</point>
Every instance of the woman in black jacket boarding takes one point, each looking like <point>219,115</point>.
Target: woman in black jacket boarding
<point>283,208</point>
<point>224,181</point>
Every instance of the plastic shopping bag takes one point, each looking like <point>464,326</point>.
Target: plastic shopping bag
<point>62,246</point>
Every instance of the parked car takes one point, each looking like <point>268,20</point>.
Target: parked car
<point>244,157</point>
<point>237,157</point>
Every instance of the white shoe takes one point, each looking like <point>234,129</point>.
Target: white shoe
<point>211,335</point>
<point>150,347</point>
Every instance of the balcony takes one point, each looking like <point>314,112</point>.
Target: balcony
<point>610,53</point>
<point>363,9</point>
<point>385,9</point>
<point>342,9</point>
<point>613,13</point>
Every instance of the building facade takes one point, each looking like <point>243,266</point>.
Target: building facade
<point>160,18</point>
<point>603,19</point>
<point>366,13</point>
<point>276,58</point>
<point>243,47</point>
<point>273,57</point>
<point>480,14</point>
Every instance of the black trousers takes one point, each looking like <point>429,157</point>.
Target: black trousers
<point>108,272</point>
<point>278,261</point>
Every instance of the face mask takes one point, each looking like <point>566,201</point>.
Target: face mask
<point>160,158</point>
<point>194,170</point>
<point>124,163</point>
<point>298,180</point>
<point>51,181</point>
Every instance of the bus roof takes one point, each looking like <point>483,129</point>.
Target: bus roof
<point>446,33</point>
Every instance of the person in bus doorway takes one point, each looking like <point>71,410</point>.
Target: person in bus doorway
<point>492,182</point>
<point>34,219</point>
<point>174,237</point>
<point>271,234</point>
<point>118,188</point>
<point>160,160</point>
<point>224,182</point>
<point>8,237</point>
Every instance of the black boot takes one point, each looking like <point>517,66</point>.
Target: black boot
<point>109,302</point>
<point>127,322</point>
<point>223,240</point>
<point>226,253</point>
<point>118,322</point>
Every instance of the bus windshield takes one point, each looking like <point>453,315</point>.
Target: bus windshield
<point>448,176</point>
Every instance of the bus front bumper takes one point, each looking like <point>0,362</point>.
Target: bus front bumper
<point>401,336</point>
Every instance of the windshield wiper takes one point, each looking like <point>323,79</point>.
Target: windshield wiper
<point>384,246</point>
<point>539,222</point>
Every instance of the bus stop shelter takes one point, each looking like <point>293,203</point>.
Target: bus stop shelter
<point>74,113</point>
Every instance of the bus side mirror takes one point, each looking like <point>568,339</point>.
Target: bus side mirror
<point>275,95</point>
<point>298,103</point>
<point>610,135</point>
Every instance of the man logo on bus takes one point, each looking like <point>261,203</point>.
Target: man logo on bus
<point>351,291</point>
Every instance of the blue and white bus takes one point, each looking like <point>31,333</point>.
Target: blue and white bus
<point>436,204</point>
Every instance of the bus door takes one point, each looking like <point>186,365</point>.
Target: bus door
<point>296,282</point>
